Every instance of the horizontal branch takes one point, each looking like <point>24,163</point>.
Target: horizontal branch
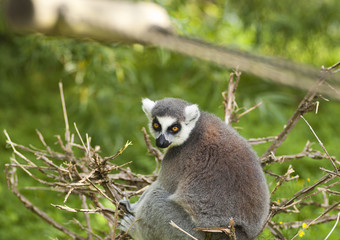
<point>307,152</point>
<point>96,210</point>
<point>298,224</point>
<point>126,21</point>
<point>255,141</point>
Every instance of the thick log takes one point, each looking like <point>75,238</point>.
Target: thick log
<point>102,20</point>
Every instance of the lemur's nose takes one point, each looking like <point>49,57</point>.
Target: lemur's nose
<point>162,142</point>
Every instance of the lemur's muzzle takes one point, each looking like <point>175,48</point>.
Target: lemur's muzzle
<point>162,142</point>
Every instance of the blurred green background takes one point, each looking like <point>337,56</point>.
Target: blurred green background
<point>104,84</point>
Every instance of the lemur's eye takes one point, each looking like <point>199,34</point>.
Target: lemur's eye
<point>155,125</point>
<point>175,128</point>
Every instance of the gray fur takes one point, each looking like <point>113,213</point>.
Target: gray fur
<point>212,177</point>
<point>170,107</point>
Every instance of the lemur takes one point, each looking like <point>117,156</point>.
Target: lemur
<point>209,175</point>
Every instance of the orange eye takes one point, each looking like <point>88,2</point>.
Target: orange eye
<point>175,129</point>
<point>155,125</point>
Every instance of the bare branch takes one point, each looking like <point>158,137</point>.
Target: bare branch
<point>152,150</point>
<point>229,97</point>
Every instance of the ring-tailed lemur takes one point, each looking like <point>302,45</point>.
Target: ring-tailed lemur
<point>209,174</point>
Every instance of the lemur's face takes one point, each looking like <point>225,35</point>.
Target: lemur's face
<point>170,131</point>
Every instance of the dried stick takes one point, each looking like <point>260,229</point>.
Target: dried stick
<point>275,231</point>
<point>84,210</point>
<point>151,149</point>
<point>119,152</point>
<point>249,110</point>
<point>179,228</point>
<point>232,232</point>
<point>229,102</point>
<point>284,178</point>
<point>86,230</point>
<point>255,141</point>
<point>67,128</point>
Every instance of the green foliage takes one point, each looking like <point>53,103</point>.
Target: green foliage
<point>104,84</point>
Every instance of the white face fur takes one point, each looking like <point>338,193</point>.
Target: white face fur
<point>169,131</point>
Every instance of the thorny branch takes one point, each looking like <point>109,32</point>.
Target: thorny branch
<point>99,183</point>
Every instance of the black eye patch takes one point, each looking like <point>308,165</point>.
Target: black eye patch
<point>155,125</point>
<point>175,128</point>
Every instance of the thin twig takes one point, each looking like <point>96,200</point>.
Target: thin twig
<point>115,222</point>
<point>86,230</point>
<point>255,141</point>
<point>336,223</point>
<point>321,144</point>
<point>298,224</point>
<point>119,152</point>
<point>82,141</point>
<point>87,217</point>
<point>177,227</point>
<point>152,150</point>
<point>67,128</point>
<point>284,178</point>
<point>249,110</point>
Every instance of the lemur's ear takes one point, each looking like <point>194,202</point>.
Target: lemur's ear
<point>192,113</point>
<point>147,106</point>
